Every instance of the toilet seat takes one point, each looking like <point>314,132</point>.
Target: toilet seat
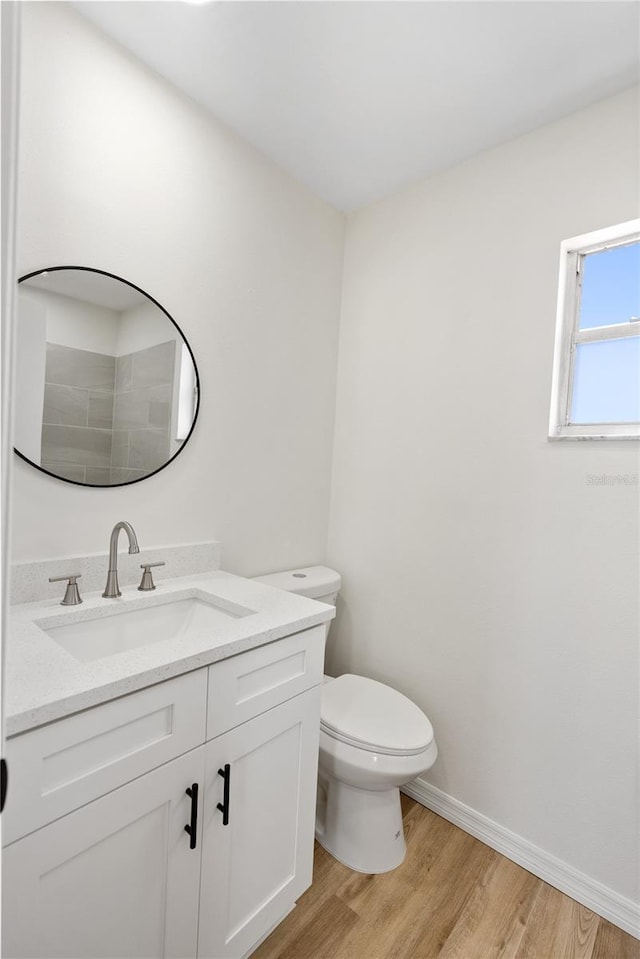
<point>371,716</point>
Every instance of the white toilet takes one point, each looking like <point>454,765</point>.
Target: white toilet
<point>372,741</point>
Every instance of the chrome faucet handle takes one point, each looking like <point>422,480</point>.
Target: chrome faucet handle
<point>146,583</point>
<point>72,593</point>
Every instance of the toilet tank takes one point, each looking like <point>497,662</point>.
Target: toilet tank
<point>316,582</point>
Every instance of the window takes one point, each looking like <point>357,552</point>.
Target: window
<point>596,375</point>
<point>187,395</point>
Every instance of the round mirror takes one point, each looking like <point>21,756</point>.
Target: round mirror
<point>106,386</point>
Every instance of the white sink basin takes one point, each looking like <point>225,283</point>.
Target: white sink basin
<point>106,635</point>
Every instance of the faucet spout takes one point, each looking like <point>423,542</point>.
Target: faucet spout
<point>112,590</point>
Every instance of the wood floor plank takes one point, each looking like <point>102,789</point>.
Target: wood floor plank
<point>613,943</point>
<point>406,804</point>
<point>445,891</point>
<point>409,913</point>
<point>426,837</point>
<point>493,921</point>
<point>324,935</point>
<point>558,927</point>
<point>328,874</point>
<point>452,898</point>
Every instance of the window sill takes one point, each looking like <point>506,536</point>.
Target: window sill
<point>626,431</point>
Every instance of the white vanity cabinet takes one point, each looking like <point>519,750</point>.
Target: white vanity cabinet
<point>98,862</point>
<point>259,859</point>
<point>116,877</point>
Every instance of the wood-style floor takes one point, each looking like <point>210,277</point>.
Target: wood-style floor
<point>452,898</point>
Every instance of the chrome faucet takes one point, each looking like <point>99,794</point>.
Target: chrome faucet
<point>112,590</point>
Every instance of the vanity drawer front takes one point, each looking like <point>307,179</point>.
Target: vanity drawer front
<point>250,683</point>
<point>67,763</point>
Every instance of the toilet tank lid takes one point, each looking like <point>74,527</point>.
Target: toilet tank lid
<point>311,581</point>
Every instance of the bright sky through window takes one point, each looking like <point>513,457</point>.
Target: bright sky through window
<point>610,286</point>
<point>595,392</point>
<point>606,383</point>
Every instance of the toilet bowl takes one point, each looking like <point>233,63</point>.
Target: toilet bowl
<point>373,739</point>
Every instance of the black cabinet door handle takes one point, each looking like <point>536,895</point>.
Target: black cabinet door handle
<point>224,805</point>
<point>192,828</point>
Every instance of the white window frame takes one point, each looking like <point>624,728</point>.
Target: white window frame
<point>572,253</point>
<point>187,395</point>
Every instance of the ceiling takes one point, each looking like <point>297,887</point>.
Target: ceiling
<point>101,289</point>
<point>358,99</point>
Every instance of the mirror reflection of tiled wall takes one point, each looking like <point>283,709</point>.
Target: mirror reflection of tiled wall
<point>142,411</point>
<point>106,419</point>
<point>77,415</point>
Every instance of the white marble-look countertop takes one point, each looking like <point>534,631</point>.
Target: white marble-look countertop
<point>43,682</point>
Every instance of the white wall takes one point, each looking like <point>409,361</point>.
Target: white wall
<point>120,172</point>
<point>76,323</point>
<point>483,576</point>
<point>143,326</point>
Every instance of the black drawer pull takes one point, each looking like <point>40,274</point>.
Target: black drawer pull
<point>192,828</point>
<point>224,805</point>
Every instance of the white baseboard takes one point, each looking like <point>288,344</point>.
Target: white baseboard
<point>594,895</point>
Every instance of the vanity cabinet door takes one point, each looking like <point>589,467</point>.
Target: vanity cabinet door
<point>115,878</point>
<point>255,866</point>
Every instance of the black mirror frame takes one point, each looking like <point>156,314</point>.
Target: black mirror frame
<point>141,479</point>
